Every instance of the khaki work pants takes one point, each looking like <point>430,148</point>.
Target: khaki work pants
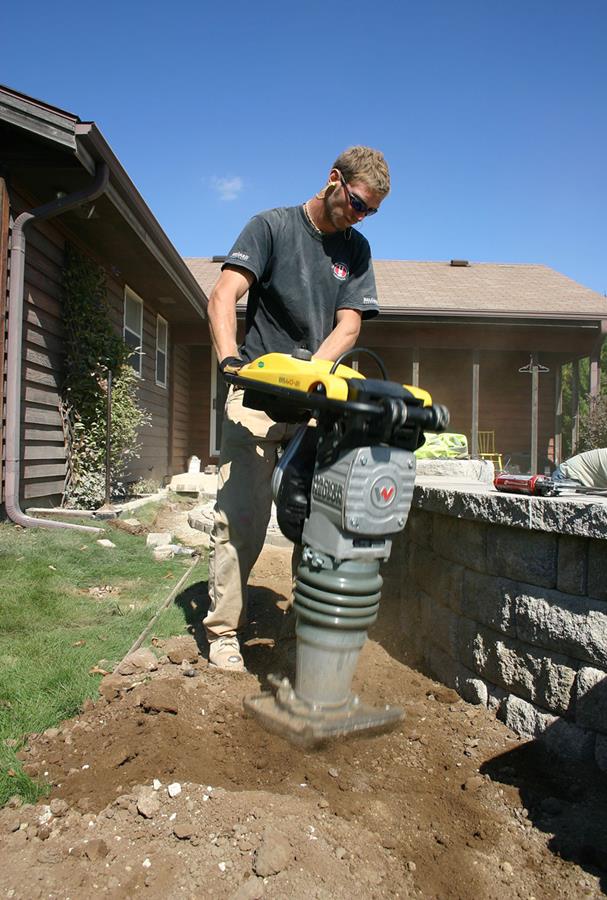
<point>249,450</point>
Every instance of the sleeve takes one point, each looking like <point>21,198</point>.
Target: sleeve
<point>360,291</point>
<point>252,248</point>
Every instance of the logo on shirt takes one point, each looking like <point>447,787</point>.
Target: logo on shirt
<point>370,300</point>
<point>340,271</point>
<point>239,255</point>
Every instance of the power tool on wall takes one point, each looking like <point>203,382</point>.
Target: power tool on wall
<point>343,490</point>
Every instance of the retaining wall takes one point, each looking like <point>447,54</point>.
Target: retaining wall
<point>504,598</point>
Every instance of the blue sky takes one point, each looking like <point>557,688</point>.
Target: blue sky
<point>491,113</point>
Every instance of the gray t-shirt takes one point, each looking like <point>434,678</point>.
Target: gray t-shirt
<point>590,468</point>
<point>301,280</point>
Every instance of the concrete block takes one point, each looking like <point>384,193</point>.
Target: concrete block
<point>543,679</point>
<point>458,469</point>
<point>572,564</point>
<point>522,555</point>
<point>460,541</point>
<point>600,752</point>
<point>591,699</point>
<point>575,626</point>
<point>570,742</point>
<point>597,568</point>
<point>488,600</point>
<point>471,647</point>
<point>496,697</point>
<point>439,624</point>
<point>442,666</point>
<point>471,688</point>
<point>441,578</point>
<point>524,718</point>
<point>420,527</point>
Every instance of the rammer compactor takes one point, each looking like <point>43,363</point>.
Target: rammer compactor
<point>343,489</point>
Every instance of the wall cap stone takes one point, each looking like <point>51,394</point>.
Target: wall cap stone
<point>582,515</point>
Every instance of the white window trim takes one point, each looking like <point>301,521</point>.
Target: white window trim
<point>128,292</point>
<point>164,383</point>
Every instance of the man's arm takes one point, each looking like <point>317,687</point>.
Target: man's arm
<point>344,335</point>
<point>232,284</point>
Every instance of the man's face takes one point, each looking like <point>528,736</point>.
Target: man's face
<point>341,202</point>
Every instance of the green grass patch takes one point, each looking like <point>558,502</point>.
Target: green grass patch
<point>67,605</point>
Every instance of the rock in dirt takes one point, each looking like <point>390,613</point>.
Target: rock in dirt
<point>158,538</point>
<point>274,854</point>
<point>110,686</point>
<point>252,889</point>
<point>180,649</point>
<point>58,807</point>
<point>474,783</point>
<point>143,660</point>
<point>148,803</point>
<point>96,849</point>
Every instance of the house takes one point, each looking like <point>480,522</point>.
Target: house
<point>63,170</point>
<point>488,340</point>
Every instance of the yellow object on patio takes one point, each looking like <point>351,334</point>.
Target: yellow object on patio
<point>486,448</point>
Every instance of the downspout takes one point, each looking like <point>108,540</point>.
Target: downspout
<point>15,340</point>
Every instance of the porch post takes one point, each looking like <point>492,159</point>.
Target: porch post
<point>476,369</point>
<point>595,363</point>
<point>558,415</point>
<point>415,368</point>
<point>575,405</point>
<point>535,384</point>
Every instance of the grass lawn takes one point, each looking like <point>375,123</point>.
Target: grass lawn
<point>66,606</point>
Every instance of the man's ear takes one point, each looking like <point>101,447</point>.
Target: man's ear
<point>332,183</point>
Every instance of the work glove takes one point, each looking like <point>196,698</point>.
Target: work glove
<point>229,365</point>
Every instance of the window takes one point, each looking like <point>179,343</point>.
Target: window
<point>162,340</point>
<point>133,327</point>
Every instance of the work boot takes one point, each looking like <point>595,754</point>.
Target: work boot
<point>224,653</point>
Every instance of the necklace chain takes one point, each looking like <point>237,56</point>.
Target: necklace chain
<point>311,220</point>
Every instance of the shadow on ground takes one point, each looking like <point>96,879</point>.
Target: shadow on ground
<point>566,801</point>
<point>267,642</point>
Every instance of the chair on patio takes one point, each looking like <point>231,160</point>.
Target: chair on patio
<point>486,449</point>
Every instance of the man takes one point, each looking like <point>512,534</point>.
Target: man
<point>589,468</point>
<point>310,282</point>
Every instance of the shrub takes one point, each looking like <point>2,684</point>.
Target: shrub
<point>93,348</point>
<point>593,424</point>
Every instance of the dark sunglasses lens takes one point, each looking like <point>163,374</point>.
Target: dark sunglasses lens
<point>356,203</point>
<point>359,205</point>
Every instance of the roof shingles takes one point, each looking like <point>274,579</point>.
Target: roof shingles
<point>406,286</point>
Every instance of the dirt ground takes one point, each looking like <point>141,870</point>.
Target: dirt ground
<point>166,788</point>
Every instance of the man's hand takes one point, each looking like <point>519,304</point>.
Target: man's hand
<point>231,364</point>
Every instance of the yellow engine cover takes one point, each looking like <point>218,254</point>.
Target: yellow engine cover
<point>306,375</point>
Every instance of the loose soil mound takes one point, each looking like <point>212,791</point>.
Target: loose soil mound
<point>451,805</point>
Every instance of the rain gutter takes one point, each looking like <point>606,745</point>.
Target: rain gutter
<point>15,342</point>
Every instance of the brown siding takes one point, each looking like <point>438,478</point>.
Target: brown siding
<point>180,408</point>
<point>43,464</point>
<point>200,404</point>
<point>4,232</point>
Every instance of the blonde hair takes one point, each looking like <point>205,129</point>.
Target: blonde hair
<point>364,164</point>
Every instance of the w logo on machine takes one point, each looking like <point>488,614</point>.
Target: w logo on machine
<point>383,492</point>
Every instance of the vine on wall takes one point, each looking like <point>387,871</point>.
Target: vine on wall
<point>93,347</point>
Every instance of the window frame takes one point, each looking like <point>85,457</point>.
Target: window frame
<point>137,353</point>
<point>164,383</point>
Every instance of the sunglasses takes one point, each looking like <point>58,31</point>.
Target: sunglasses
<point>356,203</point>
